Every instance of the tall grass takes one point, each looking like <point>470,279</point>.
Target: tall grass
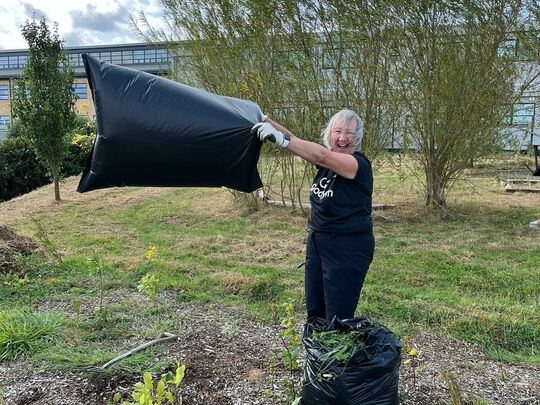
<point>23,332</point>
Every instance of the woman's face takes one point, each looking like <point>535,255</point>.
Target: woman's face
<point>342,136</point>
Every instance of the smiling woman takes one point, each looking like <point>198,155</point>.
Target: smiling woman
<point>340,242</point>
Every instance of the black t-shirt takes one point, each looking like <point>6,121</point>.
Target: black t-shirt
<point>341,205</point>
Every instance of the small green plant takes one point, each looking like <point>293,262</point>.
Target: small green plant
<point>98,267</point>
<point>150,281</point>
<point>46,242</point>
<point>149,285</point>
<point>290,340</point>
<point>410,355</point>
<point>455,391</point>
<point>166,390</point>
<point>24,332</point>
<point>231,327</point>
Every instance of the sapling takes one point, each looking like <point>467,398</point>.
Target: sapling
<point>292,345</point>
<point>149,283</point>
<point>98,268</point>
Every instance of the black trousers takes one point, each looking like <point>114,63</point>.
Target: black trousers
<point>336,266</point>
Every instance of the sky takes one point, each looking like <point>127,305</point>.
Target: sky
<point>80,22</point>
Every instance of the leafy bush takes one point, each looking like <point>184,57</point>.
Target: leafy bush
<point>20,169</point>
<point>77,154</point>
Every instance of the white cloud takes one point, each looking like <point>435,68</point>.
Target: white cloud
<point>90,22</point>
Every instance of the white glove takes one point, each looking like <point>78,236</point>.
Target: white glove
<point>265,131</point>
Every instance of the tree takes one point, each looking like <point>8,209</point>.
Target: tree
<point>456,82</point>
<point>44,98</point>
<point>436,75</point>
<point>274,53</point>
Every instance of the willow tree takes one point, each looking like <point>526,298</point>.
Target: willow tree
<point>276,53</point>
<point>456,82</point>
<point>44,99</point>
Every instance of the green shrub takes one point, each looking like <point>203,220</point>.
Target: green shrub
<point>22,172</point>
<point>80,145</point>
<point>20,169</point>
<point>78,151</point>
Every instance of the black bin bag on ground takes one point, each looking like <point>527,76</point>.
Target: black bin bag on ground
<point>156,132</point>
<point>369,377</point>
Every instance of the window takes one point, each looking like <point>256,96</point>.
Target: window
<point>105,56</point>
<point>80,90</point>
<point>13,62</point>
<point>116,57</point>
<point>4,125</point>
<point>127,57</point>
<point>523,114</point>
<point>162,55</point>
<point>138,56</point>
<point>4,92</point>
<point>3,62</point>
<point>149,56</point>
<point>507,48</point>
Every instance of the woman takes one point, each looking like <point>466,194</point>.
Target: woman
<point>340,240</point>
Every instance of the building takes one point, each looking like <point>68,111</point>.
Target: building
<point>149,58</point>
<point>520,133</point>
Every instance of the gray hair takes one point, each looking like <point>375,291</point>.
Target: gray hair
<point>347,116</point>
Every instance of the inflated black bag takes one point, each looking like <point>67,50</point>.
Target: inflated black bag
<point>369,377</point>
<point>156,132</point>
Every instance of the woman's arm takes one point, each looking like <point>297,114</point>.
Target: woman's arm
<point>342,163</point>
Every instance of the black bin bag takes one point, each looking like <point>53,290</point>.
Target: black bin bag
<point>156,132</point>
<point>369,376</point>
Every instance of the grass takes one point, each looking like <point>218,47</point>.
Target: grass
<point>23,332</point>
<point>472,274</point>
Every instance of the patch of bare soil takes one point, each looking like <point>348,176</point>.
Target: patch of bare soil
<point>446,365</point>
<point>12,243</point>
<point>227,355</point>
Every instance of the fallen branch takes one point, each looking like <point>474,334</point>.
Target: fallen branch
<point>164,337</point>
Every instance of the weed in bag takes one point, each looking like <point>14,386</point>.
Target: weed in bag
<point>350,362</point>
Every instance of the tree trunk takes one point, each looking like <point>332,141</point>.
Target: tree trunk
<point>56,180</point>
<point>435,191</point>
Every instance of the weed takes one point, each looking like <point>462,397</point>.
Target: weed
<point>150,282</point>
<point>98,267</point>
<point>456,397</point>
<point>166,389</point>
<point>24,332</point>
<point>231,327</point>
<point>340,345</point>
<point>45,240</point>
<point>290,340</point>
<point>410,354</point>
<point>149,285</point>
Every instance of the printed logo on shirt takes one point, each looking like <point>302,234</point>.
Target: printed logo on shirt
<point>321,190</point>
